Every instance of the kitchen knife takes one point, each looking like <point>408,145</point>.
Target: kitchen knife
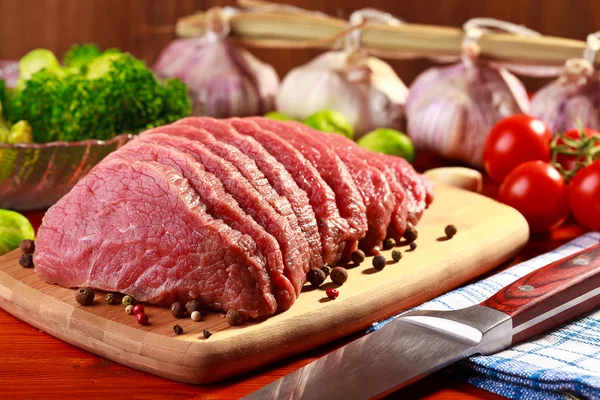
<point>421,342</point>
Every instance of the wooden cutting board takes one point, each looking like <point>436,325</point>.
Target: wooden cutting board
<point>489,233</point>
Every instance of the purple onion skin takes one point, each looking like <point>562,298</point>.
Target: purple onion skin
<point>224,80</point>
<point>450,110</point>
<point>560,105</point>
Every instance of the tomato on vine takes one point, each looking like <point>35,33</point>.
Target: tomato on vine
<point>584,196</point>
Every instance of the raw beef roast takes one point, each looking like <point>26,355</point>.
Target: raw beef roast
<point>232,213</point>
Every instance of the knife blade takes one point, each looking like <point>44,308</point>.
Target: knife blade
<point>421,342</point>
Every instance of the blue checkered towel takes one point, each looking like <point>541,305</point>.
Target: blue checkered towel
<point>564,363</point>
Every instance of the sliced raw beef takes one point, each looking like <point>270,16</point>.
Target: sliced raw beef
<point>334,229</point>
<point>371,183</point>
<point>247,167</point>
<point>332,170</point>
<point>220,205</point>
<point>250,201</point>
<point>140,228</point>
<point>398,219</point>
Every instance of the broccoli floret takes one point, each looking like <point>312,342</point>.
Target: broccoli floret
<point>118,94</point>
<point>79,56</point>
<point>20,133</point>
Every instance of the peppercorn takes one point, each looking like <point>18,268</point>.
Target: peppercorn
<point>357,257</point>
<point>412,246</point>
<point>84,296</point>
<point>389,243</point>
<point>127,300</point>
<point>410,234</point>
<point>193,305</point>
<point>178,330</point>
<point>138,309</point>
<point>450,231</point>
<point>396,255</point>
<point>142,319</point>
<point>332,293</point>
<point>339,275</point>
<point>316,276</point>
<point>26,260</point>
<point>27,246</point>
<point>178,310</point>
<point>110,298</point>
<point>129,309</point>
<point>206,334</point>
<point>196,316</point>
<point>326,269</point>
<point>234,318</point>
<point>379,262</point>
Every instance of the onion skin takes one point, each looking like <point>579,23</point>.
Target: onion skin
<point>560,104</point>
<point>224,80</point>
<point>364,89</point>
<point>450,110</point>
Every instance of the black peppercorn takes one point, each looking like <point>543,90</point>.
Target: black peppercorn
<point>410,234</point>
<point>339,275</point>
<point>206,334</point>
<point>316,276</point>
<point>84,296</point>
<point>110,298</point>
<point>396,255</point>
<point>326,269</point>
<point>178,310</point>
<point>379,262</point>
<point>357,257</point>
<point>234,318</point>
<point>193,305</point>
<point>26,260</point>
<point>412,246</point>
<point>389,243</point>
<point>450,231</point>
<point>27,246</point>
<point>178,330</point>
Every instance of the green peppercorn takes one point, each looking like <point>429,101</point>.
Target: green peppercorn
<point>379,262</point>
<point>178,330</point>
<point>412,246</point>
<point>389,243</point>
<point>206,334</point>
<point>26,260</point>
<point>110,298</point>
<point>193,305</point>
<point>127,300</point>
<point>27,246</point>
<point>178,310</point>
<point>450,231</point>
<point>233,318</point>
<point>357,257</point>
<point>410,234</point>
<point>396,255</point>
<point>326,269</point>
<point>316,276</point>
<point>129,309</point>
<point>339,275</point>
<point>84,296</point>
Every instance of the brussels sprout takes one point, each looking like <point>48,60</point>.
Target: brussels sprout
<point>279,116</point>
<point>20,133</point>
<point>389,141</point>
<point>13,228</point>
<point>330,121</point>
<point>37,60</point>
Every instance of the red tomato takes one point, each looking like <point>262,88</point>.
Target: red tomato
<point>538,191</point>
<point>569,162</point>
<point>513,141</point>
<point>584,196</point>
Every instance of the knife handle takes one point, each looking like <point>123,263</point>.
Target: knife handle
<point>551,295</point>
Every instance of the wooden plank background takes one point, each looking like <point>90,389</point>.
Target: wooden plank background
<point>144,27</point>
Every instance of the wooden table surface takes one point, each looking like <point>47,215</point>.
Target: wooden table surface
<point>36,365</point>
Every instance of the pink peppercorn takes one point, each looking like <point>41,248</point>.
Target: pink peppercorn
<point>332,293</point>
<point>138,309</point>
<point>142,319</point>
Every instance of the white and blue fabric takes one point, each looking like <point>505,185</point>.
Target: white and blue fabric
<point>561,364</point>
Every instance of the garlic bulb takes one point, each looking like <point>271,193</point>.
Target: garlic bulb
<point>366,90</point>
<point>451,110</point>
<point>224,80</point>
<point>574,96</point>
